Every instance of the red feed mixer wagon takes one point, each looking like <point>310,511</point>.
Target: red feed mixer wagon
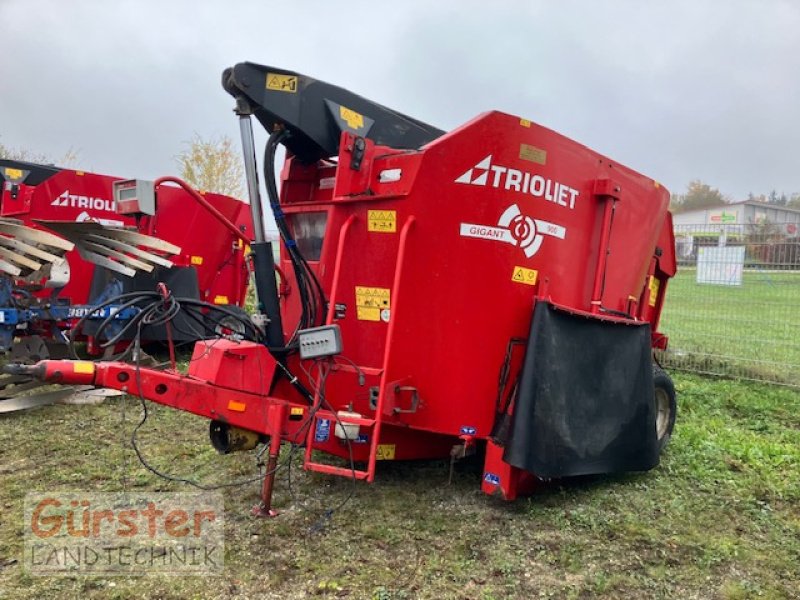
<point>494,288</point>
<point>34,193</point>
<point>194,242</point>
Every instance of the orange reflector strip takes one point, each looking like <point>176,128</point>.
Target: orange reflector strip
<point>236,406</point>
<point>83,366</point>
<point>297,410</point>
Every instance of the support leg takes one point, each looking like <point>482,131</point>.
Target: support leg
<point>264,508</point>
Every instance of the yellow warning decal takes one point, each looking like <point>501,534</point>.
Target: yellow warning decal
<point>370,301</point>
<point>367,313</point>
<point>525,122</point>
<point>353,119</point>
<point>83,366</point>
<point>655,284</point>
<point>13,173</point>
<point>297,410</point>
<point>385,452</point>
<point>382,221</point>
<point>221,300</point>
<point>196,260</point>
<point>524,275</point>
<point>236,406</point>
<point>282,83</point>
<point>533,154</point>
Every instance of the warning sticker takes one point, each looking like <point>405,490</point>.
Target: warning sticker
<point>83,366</point>
<point>196,260</point>
<point>367,313</point>
<point>655,284</point>
<point>13,173</point>
<point>282,83</point>
<point>323,431</point>
<point>370,301</point>
<point>353,119</point>
<point>382,221</point>
<point>524,275</point>
<point>525,122</point>
<point>385,452</point>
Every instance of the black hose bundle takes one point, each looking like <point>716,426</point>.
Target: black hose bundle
<point>155,309</point>
<point>312,297</point>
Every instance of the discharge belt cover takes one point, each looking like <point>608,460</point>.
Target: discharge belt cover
<point>585,403</point>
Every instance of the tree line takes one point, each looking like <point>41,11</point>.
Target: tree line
<point>701,195</point>
<point>210,165</point>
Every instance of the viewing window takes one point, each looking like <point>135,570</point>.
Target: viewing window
<point>309,232</point>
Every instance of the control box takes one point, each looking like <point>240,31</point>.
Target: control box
<point>317,342</point>
<point>134,196</point>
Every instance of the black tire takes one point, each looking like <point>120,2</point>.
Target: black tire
<point>220,325</point>
<point>665,406</point>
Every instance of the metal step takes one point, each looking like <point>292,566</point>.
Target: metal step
<point>348,472</point>
<point>334,470</point>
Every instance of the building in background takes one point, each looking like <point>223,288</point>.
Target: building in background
<point>769,234</point>
<point>749,212</point>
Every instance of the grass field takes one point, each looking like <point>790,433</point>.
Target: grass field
<point>752,330</point>
<point>720,518</point>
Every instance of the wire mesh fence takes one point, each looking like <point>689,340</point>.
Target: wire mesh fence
<point>734,307</point>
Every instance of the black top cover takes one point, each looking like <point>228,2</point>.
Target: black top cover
<point>17,171</point>
<point>585,402</point>
<point>316,112</point>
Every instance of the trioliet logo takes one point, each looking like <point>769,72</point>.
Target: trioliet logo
<point>485,174</point>
<point>79,201</point>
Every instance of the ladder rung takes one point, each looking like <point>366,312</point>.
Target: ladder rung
<point>334,470</point>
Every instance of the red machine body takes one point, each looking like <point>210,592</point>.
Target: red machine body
<point>435,260</point>
<point>435,281</point>
<point>70,195</point>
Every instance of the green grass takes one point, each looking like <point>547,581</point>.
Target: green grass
<point>720,518</point>
<point>751,330</point>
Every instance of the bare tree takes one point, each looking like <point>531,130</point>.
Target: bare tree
<point>69,159</point>
<point>213,165</point>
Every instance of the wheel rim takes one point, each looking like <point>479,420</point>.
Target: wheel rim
<point>662,412</point>
<point>230,328</point>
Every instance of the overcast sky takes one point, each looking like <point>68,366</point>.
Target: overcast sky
<point>704,90</point>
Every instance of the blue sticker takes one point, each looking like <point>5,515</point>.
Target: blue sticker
<point>467,430</point>
<point>323,431</point>
<point>362,438</point>
<point>491,478</point>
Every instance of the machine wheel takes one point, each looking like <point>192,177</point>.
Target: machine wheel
<point>29,350</point>
<point>665,406</point>
<point>229,327</point>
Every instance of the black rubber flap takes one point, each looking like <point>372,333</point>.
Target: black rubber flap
<point>585,402</point>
